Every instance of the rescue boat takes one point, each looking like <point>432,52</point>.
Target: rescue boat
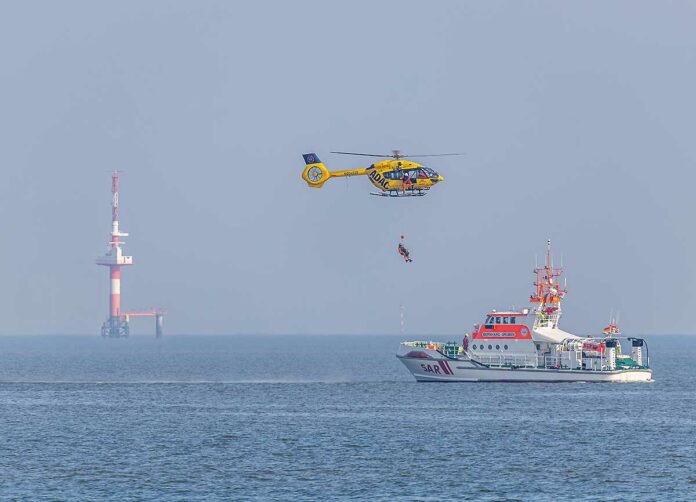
<point>505,349</point>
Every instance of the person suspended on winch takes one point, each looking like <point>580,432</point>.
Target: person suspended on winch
<point>404,252</point>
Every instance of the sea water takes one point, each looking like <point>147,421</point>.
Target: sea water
<point>327,417</point>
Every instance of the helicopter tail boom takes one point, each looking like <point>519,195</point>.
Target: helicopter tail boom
<point>316,173</point>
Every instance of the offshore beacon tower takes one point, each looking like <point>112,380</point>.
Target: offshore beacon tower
<point>118,323</point>
<point>115,326</point>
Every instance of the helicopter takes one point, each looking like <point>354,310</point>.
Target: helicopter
<point>393,177</point>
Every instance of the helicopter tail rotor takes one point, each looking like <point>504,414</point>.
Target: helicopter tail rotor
<point>315,172</point>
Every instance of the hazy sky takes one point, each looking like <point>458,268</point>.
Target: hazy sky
<point>577,119</point>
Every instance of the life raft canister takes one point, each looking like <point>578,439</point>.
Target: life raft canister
<point>597,347</point>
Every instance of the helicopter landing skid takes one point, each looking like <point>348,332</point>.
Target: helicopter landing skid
<point>398,194</point>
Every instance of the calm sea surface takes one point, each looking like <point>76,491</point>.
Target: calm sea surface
<point>333,417</point>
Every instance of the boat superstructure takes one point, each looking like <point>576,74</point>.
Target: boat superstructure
<point>505,348</point>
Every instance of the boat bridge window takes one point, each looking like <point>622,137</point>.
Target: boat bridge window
<point>500,320</point>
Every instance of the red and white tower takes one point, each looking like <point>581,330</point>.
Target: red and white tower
<point>116,325</point>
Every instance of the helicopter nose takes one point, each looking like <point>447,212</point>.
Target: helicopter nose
<point>439,178</point>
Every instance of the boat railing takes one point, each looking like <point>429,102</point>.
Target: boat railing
<point>547,320</point>
<point>523,361</point>
<point>548,361</point>
<point>519,361</point>
<point>448,349</point>
<point>504,360</point>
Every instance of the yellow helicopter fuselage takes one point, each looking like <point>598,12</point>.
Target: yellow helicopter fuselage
<point>390,175</point>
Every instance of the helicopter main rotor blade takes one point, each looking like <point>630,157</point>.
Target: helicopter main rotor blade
<point>434,155</point>
<point>397,155</point>
<point>362,154</point>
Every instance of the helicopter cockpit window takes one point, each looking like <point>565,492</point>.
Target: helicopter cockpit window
<point>431,173</point>
<point>422,173</point>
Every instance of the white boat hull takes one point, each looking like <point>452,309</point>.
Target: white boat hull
<point>441,369</point>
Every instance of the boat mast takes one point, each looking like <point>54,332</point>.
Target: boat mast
<point>613,328</point>
<point>548,293</point>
